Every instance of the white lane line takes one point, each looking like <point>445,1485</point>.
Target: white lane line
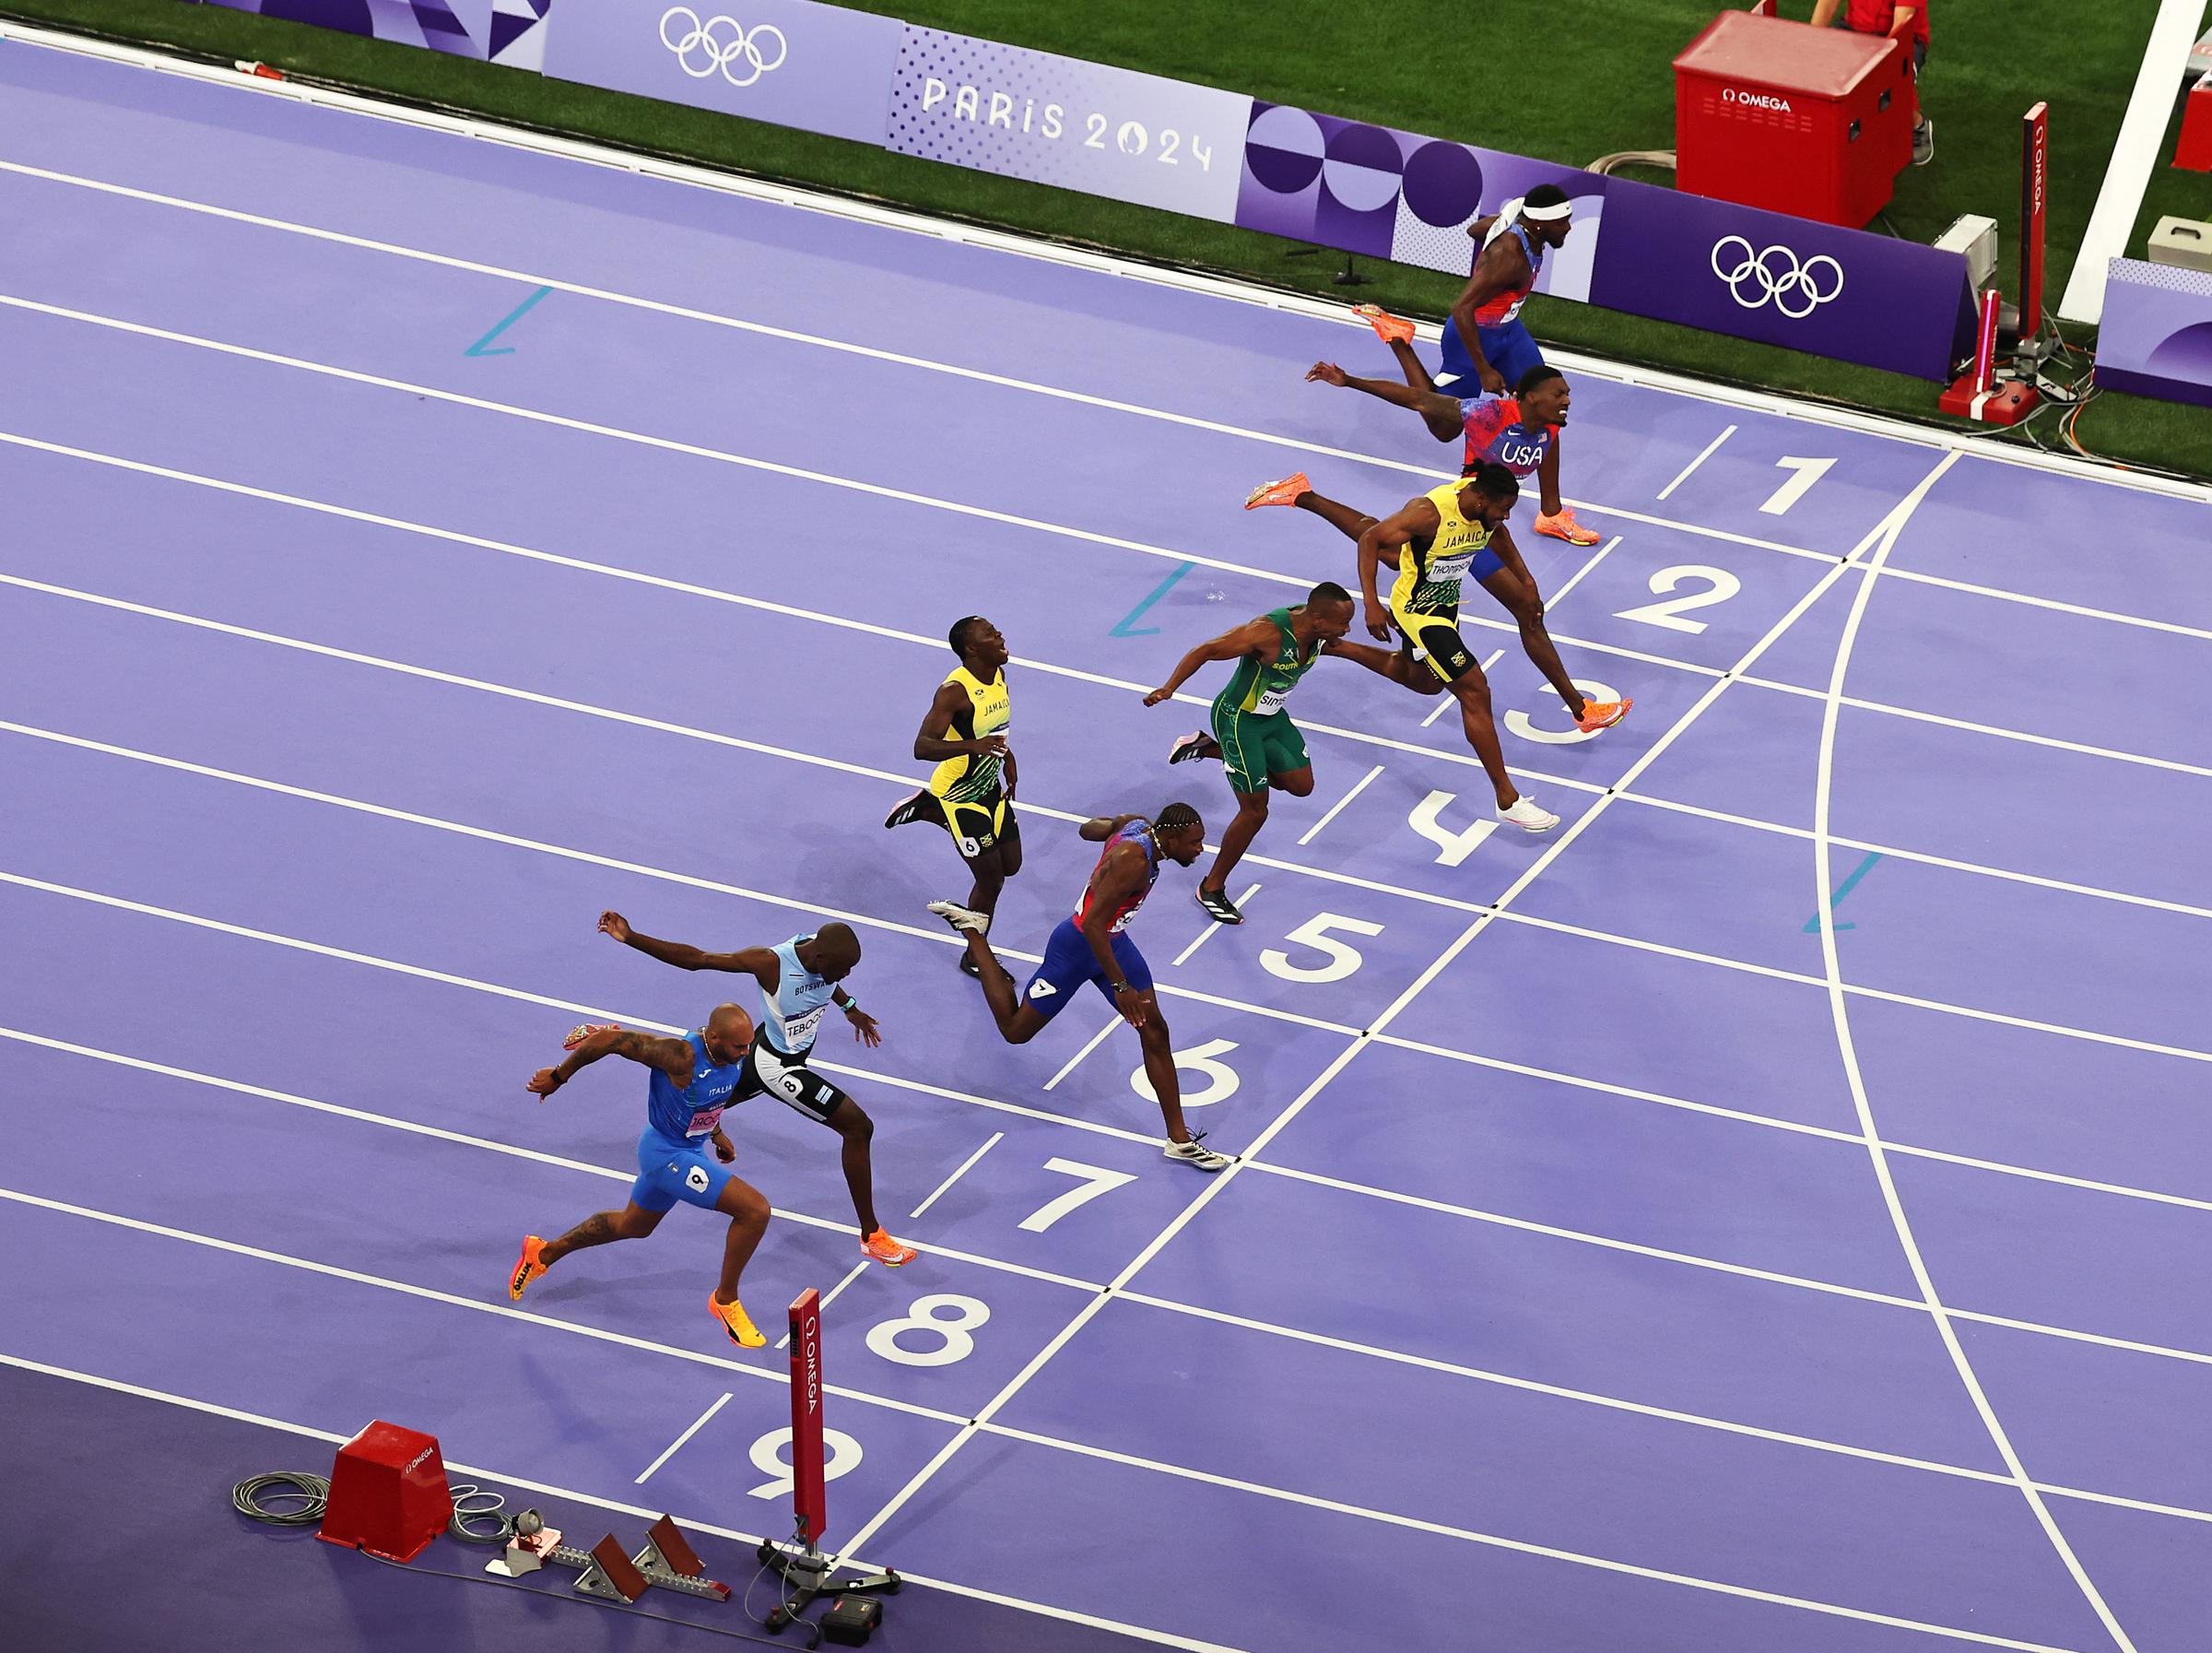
<point>561,852</point>
<point>818,617</point>
<point>1395,1356</point>
<point>489,1145</point>
<point>1446,702</point>
<point>988,1143</point>
<point>1089,1045</point>
<point>374,961</point>
<point>694,1523</point>
<point>1358,786</point>
<point>1201,938</point>
<point>1196,995</point>
<point>897,778</point>
<point>1523,1547</point>
<point>2134,156</point>
<point>1914,714</point>
<point>1558,596</point>
<point>1581,1237</point>
<point>676,1445</point>
<point>451,1300</point>
<point>1847,1051</point>
<point>713,318</point>
<point>830,1297</point>
<point>644,438</point>
<point>1704,454</point>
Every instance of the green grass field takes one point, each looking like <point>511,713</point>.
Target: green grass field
<point>1586,77</point>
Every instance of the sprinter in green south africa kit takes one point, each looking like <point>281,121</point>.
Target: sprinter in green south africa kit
<point>1253,737</point>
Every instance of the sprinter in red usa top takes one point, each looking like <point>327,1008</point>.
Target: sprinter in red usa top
<point>1092,947</point>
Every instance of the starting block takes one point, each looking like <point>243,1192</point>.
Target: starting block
<point>606,1570</point>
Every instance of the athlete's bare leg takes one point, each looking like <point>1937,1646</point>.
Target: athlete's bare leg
<point>1251,815</point>
<point>1347,520</point>
<point>747,1208</point>
<point>1018,1022</point>
<point>851,1122</point>
<point>632,1222</point>
<point>1521,603</point>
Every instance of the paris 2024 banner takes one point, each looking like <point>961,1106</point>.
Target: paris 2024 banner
<point>1125,135</point>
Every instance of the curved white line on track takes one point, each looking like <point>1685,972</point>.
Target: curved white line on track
<point>1838,1008</point>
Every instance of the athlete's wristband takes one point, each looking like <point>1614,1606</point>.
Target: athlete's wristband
<point>850,1006</point>
<point>1122,988</point>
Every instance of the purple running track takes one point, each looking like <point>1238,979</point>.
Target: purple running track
<point>350,675</point>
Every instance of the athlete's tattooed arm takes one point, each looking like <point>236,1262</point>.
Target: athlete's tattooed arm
<point>672,1056</point>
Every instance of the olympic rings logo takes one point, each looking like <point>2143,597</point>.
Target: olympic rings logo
<point>723,43</point>
<point>1777,276</point>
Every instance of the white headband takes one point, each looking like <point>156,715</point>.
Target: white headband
<point>1548,214</point>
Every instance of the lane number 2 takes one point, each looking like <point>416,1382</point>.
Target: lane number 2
<point>1719,586</point>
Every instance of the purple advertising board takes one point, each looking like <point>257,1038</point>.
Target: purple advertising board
<point>510,32</point>
<point>822,68</point>
<point>1782,281</point>
<point>1289,172</point>
<point>1081,125</point>
<point>2156,337</point>
<point>1398,195</point>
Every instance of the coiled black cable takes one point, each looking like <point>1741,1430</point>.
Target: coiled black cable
<point>314,1491</point>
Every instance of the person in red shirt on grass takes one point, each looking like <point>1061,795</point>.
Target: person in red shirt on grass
<point>1880,17</point>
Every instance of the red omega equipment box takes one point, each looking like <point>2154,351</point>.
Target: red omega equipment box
<point>1817,123</point>
<point>388,1493</point>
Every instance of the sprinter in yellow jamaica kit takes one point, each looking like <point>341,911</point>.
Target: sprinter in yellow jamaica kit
<point>971,794</point>
<point>1449,534</point>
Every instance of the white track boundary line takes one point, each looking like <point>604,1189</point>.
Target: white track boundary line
<point>188,1403</point>
<point>846,347</point>
<point>1847,1052</point>
<point>1523,1547</point>
<point>1730,397</point>
<point>1049,668</point>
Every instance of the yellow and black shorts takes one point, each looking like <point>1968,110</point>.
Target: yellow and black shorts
<point>1432,636</point>
<point>976,824</point>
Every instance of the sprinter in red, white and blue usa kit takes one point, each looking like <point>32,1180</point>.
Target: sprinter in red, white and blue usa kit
<point>1503,372</point>
<point>1093,946</point>
<point>1520,431</point>
<point>692,1079</point>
